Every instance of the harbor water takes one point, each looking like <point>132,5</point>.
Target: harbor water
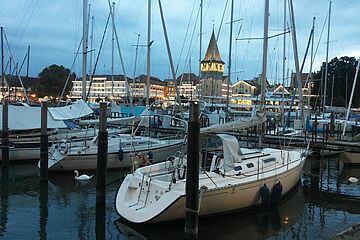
<point>320,206</point>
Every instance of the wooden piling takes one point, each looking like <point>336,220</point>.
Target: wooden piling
<point>192,174</point>
<point>332,124</point>
<point>5,135</point>
<point>101,174</point>
<point>44,144</point>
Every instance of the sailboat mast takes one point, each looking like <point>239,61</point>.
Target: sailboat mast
<point>91,46</point>
<point>2,61</point>
<point>283,67</point>
<point>264,68</point>
<point>85,46</point>
<point>351,96</point>
<point>229,65</point>
<point>327,60</point>
<point>119,50</point>
<point>27,62</point>
<point>311,63</point>
<point>136,54</point>
<point>170,56</point>
<point>265,51</point>
<point>147,87</point>
<point>112,51</point>
<point>201,18</point>
<point>296,59</point>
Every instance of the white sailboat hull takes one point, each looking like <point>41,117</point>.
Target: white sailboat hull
<point>88,160</point>
<point>156,203</point>
<point>231,199</point>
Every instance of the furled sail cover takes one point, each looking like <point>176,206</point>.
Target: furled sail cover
<point>235,125</point>
<point>231,151</point>
<point>26,118</point>
<point>77,110</point>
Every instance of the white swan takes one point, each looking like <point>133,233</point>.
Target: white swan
<point>82,177</point>
<point>353,180</point>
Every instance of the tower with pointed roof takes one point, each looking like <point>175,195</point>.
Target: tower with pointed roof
<point>212,81</point>
<point>212,66</point>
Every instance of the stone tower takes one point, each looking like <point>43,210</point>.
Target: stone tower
<point>212,70</point>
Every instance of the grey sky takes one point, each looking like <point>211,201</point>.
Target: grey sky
<point>53,30</point>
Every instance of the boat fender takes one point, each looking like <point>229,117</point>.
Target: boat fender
<point>181,172</point>
<point>63,147</point>
<point>121,154</point>
<point>221,120</point>
<point>276,194</point>
<point>265,195</point>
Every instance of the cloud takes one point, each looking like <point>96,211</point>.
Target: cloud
<point>53,30</point>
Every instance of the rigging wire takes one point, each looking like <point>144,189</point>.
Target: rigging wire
<point>30,10</point>
<point>222,19</point>
<point>187,30</point>
<point>69,75</point>
<point>189,52</point>
<point>98,55</point>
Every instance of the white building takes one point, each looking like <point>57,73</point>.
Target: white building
<point>103,87</point>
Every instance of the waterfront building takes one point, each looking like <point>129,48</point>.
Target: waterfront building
<point>102,88</point>
<point>15,89</point>
<point>138,88</point>
<point>245,88</point>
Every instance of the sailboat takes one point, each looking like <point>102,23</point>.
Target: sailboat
<point>230,178</point>
<point>25,135</point>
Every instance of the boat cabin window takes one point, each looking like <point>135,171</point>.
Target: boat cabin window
<point>237,168</point>
<point>267,160</point>
<point>250,165</point>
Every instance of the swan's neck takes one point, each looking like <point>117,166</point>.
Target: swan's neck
<point>76,174</point>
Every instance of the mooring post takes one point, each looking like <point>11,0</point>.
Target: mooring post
<point>44,144</point>
<point>101,174</point>
<point>192,174</point>
<point>316,125</point>
<point>332,124</point>
<point>5,135</point>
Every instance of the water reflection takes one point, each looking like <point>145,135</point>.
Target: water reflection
<point>323,205</point>
<point>4,197</point>
<point>43,209</point>
<point>251,224</point>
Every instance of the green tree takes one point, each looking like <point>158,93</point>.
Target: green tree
<point>52,81</point>
<point>341,72</point>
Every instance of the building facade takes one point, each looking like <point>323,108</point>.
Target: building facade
<point>245,88</point>
<point>102,88</point>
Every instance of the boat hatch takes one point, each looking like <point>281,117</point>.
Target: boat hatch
<point>267,160</point>
<point>237,168</point>
<point>250,165</point>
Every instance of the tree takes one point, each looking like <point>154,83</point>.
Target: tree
<point>52,81</point>
<point>343,72</point>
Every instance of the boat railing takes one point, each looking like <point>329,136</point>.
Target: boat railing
<point>143,190</point>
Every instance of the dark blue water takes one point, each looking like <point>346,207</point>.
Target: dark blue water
<point>322,205</point>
